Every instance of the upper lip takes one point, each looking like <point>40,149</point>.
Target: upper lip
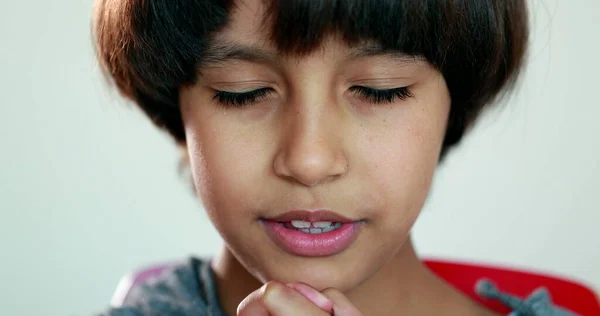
<point>311,216</point>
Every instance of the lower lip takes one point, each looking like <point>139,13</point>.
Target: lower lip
<point>312,245</point>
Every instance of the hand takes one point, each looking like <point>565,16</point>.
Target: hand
<point>277,299</point>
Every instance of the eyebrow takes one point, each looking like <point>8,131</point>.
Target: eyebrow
<point>378,51</point>
<point>222,52</point>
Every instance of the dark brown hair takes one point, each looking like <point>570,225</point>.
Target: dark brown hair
<point>150,48</point>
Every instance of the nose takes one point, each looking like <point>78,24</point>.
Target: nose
<point>311,150</point>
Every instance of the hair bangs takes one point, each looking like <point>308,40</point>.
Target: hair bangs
<point>413,27</point>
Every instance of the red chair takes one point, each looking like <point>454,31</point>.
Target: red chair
<point>463,276</point>
<point>567,294</point>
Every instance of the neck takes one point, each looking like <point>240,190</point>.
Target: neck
<point>403,286</point>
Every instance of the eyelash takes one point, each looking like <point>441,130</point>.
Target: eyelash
<point>382,96</point>
<point>241,99</point>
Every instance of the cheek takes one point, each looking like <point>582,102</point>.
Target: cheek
<point>225,168</point>
<point>404,156</point>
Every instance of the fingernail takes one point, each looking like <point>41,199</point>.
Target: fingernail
<point>313,295</point>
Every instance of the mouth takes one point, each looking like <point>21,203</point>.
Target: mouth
<point>312,234</point>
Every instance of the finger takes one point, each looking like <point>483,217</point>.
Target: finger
<point>276,299</point>
<point>341,305</point>
<point>282,300</point>
<point>252,305</point>
<point>316,297</point>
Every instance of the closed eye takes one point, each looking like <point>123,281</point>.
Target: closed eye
<point>382,96</point>
<point>240,99</point>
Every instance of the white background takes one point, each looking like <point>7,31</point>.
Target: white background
<point>89,188</point>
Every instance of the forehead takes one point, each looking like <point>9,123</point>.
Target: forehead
<point>246,24</point>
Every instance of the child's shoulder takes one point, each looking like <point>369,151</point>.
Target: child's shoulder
<point>183,289</point>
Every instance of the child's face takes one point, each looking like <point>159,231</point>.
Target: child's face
<point>310,140</point>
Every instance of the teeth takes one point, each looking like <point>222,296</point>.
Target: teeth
<point>328,229</point>
<point>301,224</point>
<point>306,227</point>
<point>313,230</point>
<point>321,224</point>
<point>304,224</point>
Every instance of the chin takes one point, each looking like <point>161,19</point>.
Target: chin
<point>320,273</point>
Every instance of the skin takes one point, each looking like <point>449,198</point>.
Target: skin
<point>313,143</point>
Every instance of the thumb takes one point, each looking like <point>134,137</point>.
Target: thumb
<point>341,304</point>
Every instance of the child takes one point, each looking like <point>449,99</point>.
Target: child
<point>313,130</point>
